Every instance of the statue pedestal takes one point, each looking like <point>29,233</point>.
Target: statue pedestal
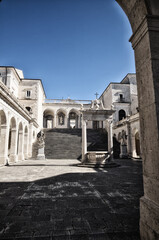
<point>123,151</point>
<point>41,154</point>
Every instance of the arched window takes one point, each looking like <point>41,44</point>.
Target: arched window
<point>29,109</point>
<point>122,114</point>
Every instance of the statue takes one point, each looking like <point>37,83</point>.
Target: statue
<point>40,139</point>
<point>61,119</point>
<point>97,104</point>
<point>41,145</point>
<point>122,138</point>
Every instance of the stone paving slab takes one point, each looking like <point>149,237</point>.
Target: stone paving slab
<point>56,199</point>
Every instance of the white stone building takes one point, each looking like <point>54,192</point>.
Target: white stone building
<point>24,111</point>
<point>122,97</point>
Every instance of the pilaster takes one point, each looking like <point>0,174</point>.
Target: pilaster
<point>84,139</point>
<point>4,145</point>
<point>13,150</point>
<point>145,43</point>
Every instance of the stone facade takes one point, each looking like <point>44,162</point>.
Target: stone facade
<point>17,128</point>
<point>27,111</point>
<point>24,111</point>
<point>123,99</point>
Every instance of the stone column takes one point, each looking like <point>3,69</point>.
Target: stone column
<point>129,138</point>
<point>145,42</point>
<point>54,123</point>
<point>30,140</point>
<point>26,145</point>
<point>4,145</point>
<point>13,149</point>
<point>21,145</point>
<point>78,124</point>
<point>110,139</point>
<point>84,139</point>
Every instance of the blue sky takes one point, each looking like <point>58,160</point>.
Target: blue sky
<point>77,47</point>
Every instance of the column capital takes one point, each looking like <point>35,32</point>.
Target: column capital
<point>149,23</point>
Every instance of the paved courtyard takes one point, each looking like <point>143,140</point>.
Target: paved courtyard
<point>56,199</point>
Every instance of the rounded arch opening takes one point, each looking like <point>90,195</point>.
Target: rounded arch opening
<point>12,136</point>
<point>122,114</point>
<point>48,117</point>
<point>3,118</point>
<point>137,144</point>
<point>73,118</point>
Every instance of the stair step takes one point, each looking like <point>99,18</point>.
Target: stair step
<point>67,143</point>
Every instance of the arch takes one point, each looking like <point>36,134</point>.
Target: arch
<point>135,11</point>
<point>74,110</point>
<point>20,126</point>
<point>48,117</point>
<point>3,138</point>
<point>26,129</point>
<point>135,133</point>
<point>3,118</point>
<point>122,114</point>
<point>13,123</point>
<point>73,118</point>
<point>61,110</point>
<point>144,19</point>
<point>12,140</point>
<point>137,144</point>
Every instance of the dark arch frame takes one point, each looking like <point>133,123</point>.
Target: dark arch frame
<point>143,16</point>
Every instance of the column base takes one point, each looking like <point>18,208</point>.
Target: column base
<point>4,160</point>
<point>12,158</point>
<point>123,151</point>
<point>26,156</point>
<point>41,154</point>
<point>149,219</point>
<point>20,157</point>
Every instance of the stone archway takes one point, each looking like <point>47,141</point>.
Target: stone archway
<point>12,140</point>
<point>137,144</point>
<point>144,19</point>
<point>3,138</point>
<point>48,119</point>
<point>136,152</point>
<point>73,119</point>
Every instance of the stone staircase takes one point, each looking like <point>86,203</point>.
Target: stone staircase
<point>63,143</point>
<point>67,143</point>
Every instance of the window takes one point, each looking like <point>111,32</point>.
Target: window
<point>29,109</point>
<point>28,94</point>
<point>122,114</point>
<point>121,97</point>
<point>4,80</point>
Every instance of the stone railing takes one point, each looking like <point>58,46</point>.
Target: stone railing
<point>68,101</point>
